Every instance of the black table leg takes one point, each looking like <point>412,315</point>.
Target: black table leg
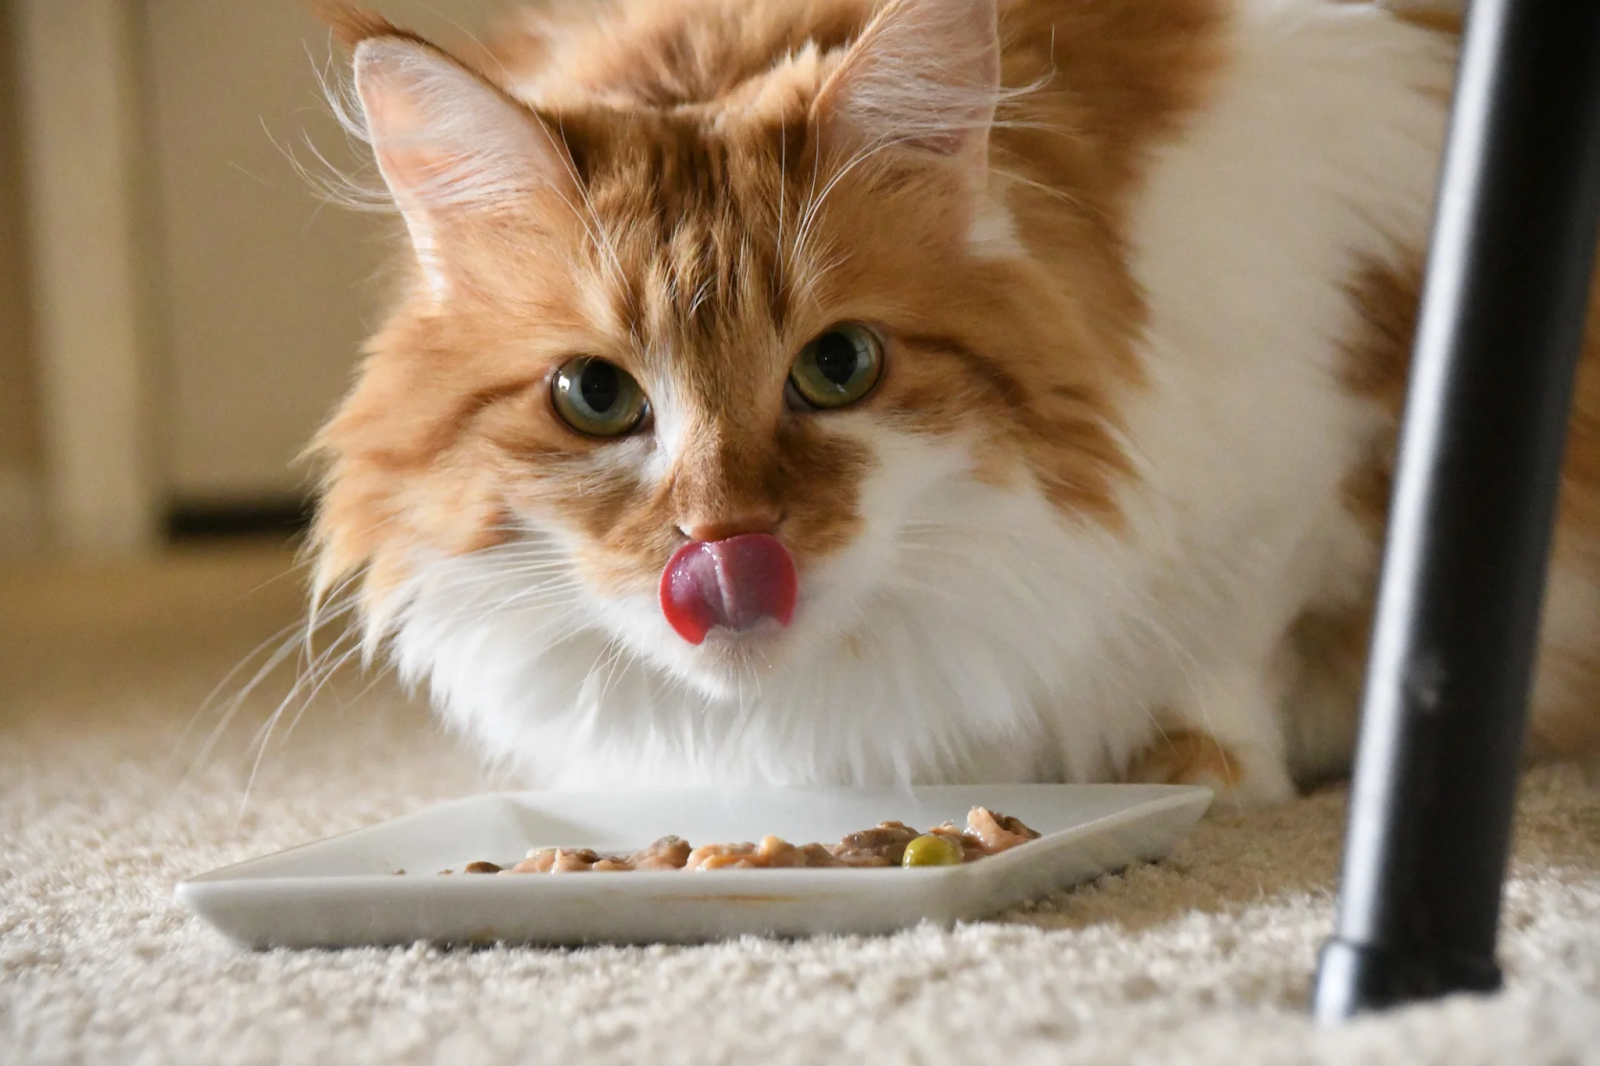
<point>1476,481</point>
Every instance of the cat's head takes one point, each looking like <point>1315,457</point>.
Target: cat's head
<point>717,280</point>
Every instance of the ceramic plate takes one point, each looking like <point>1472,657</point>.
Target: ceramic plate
<point>346,890</point>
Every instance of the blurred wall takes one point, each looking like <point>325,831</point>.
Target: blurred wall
<point>249,295</point>
<point>19,427</point>
<point>268,291</point>
<point>264,295</point>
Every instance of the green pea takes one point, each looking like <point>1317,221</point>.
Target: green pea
<point>932,850</point>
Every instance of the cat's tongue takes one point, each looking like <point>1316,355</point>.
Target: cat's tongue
<point>733,583</point>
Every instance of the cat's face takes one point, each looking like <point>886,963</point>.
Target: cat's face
<point>634,330</point>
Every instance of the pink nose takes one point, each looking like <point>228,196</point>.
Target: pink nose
<point>733,583</point>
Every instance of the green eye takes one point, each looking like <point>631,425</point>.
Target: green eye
<point>596,398</point>
<point>839,367</point>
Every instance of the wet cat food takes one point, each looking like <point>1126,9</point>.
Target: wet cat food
<point>885,844</point>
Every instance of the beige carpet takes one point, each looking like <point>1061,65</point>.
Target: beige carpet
<point>1202,959</point>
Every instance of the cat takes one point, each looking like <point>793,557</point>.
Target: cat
<point>904,391</point>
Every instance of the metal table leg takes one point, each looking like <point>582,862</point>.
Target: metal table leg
<point>1476,480</point>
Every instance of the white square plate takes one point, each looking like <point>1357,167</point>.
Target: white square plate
<point>344,891</point>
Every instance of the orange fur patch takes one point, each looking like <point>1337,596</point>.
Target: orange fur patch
<point>1185,757</point>
<point>1565,714</point>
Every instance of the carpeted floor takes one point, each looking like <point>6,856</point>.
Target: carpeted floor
<point>1205,958</point>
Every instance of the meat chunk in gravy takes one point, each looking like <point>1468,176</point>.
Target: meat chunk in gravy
<point>882,845</point>
<point>986,833</point>
<point>668,853</point>
<point>771,852</point>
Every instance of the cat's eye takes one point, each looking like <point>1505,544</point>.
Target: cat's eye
<point>595,397</point>
<point>839,367</point>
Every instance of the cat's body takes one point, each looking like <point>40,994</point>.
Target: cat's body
<point>1112,508</point>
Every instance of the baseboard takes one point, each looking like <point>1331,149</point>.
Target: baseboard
<point>22,518</point>
<point>287,516</point>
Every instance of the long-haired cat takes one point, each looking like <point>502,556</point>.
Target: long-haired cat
<point>887,391</point>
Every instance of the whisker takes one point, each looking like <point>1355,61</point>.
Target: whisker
<point>231,709</point>
<point>265,733</point>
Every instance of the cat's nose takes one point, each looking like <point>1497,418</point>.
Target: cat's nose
<point>726,528</point>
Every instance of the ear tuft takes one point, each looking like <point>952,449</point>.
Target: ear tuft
<point>351,24</point>
<point>451,147</point>
<point>924,75</point>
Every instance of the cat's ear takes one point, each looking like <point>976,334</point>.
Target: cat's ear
<point>451,147</point>
<point>924,76</point>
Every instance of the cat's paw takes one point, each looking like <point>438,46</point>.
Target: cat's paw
<point>1240,777</point>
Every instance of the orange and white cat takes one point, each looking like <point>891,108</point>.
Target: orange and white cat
<point>808,391</point>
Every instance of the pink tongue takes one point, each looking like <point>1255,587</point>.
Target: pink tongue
<point>734,583</point>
